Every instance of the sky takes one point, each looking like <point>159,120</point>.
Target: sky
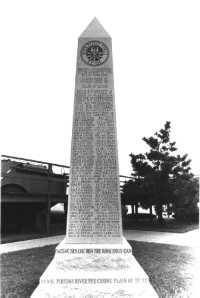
<point>156,59</point>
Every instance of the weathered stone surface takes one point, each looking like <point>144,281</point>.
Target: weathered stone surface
<point>93,257</point>
<point>105,271</point>
<point>94,211</point>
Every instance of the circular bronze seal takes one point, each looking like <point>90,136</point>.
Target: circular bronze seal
<point>94,53</point>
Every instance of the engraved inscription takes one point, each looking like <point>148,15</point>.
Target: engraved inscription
<point>94,210</point>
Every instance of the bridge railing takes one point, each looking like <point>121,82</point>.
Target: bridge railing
<point>43,177</point>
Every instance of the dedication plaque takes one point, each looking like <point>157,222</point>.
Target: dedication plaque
<point>94,211</point>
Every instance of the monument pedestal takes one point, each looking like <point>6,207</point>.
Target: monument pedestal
<point>94,270</point>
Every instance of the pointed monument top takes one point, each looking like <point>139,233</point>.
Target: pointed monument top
<point>95,29</point>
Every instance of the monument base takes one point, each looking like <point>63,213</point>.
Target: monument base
<point>94,270</point>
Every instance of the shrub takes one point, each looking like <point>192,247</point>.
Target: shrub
<point>141,216</point>
<point>187,214</point>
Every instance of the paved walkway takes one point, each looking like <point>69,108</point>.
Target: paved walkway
<point>186,239</point>
<point>20,245</point>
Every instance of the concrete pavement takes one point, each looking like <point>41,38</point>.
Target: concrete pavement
<point>20,245</point>
<point>190,239</point>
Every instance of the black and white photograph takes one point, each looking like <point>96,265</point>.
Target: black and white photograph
<point>100,148</point>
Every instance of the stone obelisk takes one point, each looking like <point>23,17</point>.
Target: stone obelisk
<point>94,210</point>
<point>94,260</point>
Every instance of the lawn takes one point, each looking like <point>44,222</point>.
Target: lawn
<point>171,269</point>
<point>169,225</point>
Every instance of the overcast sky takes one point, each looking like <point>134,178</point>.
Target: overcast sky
<point>156,58</point>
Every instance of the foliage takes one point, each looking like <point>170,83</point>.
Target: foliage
<point>158,173</point>
<point>187,196</point>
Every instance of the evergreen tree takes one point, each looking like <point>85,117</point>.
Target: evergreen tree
<point>156,172</point>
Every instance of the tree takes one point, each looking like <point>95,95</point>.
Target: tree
<point>156,172</point>
<point>185,206</point>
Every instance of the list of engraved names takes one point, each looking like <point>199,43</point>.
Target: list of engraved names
<point>94,205</point>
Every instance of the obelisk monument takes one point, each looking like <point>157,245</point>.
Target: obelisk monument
<point>94,260</point>
<point>94,210</point>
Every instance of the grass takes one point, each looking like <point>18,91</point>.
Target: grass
<point>169,225</point>
<point>55,229</point>
<point>172,269</point>
<point>20,271</point>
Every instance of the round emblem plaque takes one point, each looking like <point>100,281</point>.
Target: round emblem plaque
<point>94,53</point>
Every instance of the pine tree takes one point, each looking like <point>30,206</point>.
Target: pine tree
<point>156,172</point>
